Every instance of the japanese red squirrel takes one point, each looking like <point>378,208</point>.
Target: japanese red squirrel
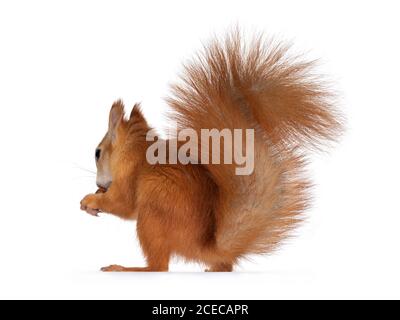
<point>207,212</point>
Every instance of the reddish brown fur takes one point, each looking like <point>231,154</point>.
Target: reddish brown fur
<point>206,213</point>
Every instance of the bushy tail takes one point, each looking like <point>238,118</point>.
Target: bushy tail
<point>257,85</point>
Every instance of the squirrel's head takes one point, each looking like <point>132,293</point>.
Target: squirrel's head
<point>121,144</point>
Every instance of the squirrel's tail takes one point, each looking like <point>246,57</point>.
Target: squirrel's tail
<point>256,86</point>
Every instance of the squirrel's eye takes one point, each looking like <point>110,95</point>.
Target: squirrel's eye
<point>97,155</point>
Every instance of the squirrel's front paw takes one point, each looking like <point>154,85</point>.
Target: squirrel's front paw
<point>89,204</point>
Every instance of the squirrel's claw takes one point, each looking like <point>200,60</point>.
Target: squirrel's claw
<point>87,208</point>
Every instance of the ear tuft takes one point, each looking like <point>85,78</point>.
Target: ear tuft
<point>136,116</point>
<point>116,116</point>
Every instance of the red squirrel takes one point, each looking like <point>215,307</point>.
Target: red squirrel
<point>206,212</point>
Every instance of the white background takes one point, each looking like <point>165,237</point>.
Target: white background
<point>62,63</point>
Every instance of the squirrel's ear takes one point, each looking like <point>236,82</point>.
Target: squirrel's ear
<point>136,116</point>
<point>116,116</point>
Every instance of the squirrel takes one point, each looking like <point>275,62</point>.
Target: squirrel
<point>206,212</point>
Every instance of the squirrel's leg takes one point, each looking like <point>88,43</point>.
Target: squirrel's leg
<point>155,264</point>
<point>118,268</point>
<point>150,232</point>
<point>220,267</point>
